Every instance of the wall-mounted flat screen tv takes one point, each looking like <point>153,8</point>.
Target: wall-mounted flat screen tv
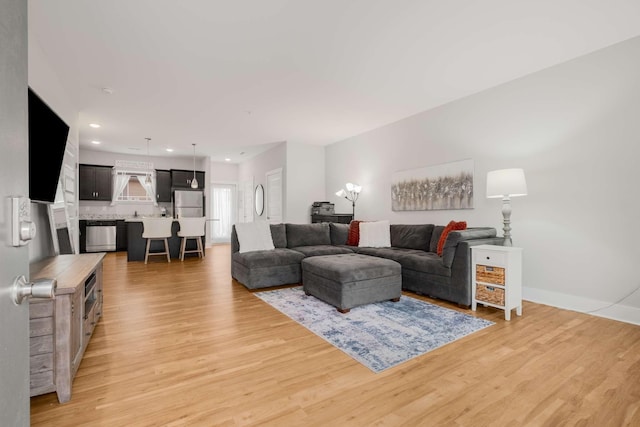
<point>47,141</point>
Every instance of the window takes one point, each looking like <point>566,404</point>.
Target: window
<point>133,187</point>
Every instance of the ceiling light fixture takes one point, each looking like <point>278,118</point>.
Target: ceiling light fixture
<point>170,150</point>
<point>194,181</point>
<point>96,142</point>
<point>94,125</point>
<point>227,159</point>
<point>147,180</point>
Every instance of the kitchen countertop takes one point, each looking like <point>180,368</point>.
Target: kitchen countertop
<point>140,218</point>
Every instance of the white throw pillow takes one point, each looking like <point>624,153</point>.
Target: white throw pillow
<point>254,236</point>
<point>375,234</point>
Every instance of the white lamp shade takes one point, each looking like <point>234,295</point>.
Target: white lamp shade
<point>341,193</point>
<point>506,183</point>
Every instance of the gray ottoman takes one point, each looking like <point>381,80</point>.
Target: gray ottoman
<point>348,280</point>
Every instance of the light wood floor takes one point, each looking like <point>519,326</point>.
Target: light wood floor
<point>181,344</point>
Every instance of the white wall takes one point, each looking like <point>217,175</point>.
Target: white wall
<point>224,172</point>
<point>574,128</point>
<point>305,180</point>
<point>94,157</point>
<point>44,81</point>
<point>256,168</point>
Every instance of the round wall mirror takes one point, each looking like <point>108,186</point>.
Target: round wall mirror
<point>259,199</point>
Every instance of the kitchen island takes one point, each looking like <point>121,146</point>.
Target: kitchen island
<point>136,244</point>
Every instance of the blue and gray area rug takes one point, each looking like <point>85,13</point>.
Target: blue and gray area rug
<point>380,335</point>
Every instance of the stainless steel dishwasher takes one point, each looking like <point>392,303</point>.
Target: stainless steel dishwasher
<point>101,236</point>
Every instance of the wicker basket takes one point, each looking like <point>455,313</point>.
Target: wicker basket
<point>488,274</point>
<point>490,294</point>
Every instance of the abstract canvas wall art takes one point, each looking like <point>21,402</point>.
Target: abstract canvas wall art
<point>444,186</point>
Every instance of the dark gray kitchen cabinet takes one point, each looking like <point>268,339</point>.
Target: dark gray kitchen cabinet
<point>182,178</point>
<point>95,182</point>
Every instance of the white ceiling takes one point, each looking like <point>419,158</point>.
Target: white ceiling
<point>242,75</point>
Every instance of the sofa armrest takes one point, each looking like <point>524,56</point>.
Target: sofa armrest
<point>235,244</point>
<point>469,234</point>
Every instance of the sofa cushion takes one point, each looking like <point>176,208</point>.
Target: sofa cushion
<point>375,234</point>
<point>412,236</point>
<point>339,233</point>
<point>354,233</point>
<point>389,253</point>
<point>279,235</point>
<point>425,262</point>
<point>453,225</point>
<point>318,250</point>
<point>275,257</point>
<point>308,234</point>
<point>435,238</point>
<point>254,236</point>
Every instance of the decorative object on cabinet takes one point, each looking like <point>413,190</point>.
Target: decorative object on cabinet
<point>157,229</point>
<point>191,228</point>
<point>497,278</point>
<point>445,186</point>
<point>194,181</point>
<point>351,194</point>
<point>506,183</point>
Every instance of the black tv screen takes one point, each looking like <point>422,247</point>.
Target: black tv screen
<point>47,141</point>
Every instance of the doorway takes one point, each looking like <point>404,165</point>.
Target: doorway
<point>223,211</point>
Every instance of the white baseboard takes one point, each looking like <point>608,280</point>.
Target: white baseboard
<point>623,313</point>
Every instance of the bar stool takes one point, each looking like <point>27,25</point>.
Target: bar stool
<point>157,229</point>
<point>191,228</point>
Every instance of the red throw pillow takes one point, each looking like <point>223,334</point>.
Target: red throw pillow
<point>462,225</point>
<point>354,233</point>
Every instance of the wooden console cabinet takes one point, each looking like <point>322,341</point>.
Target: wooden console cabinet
<point>60,329</point>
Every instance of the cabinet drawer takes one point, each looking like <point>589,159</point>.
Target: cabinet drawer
<point>40,345</point>
<point>490,274</point>
<point>490,294</point>
<point>41,363</point>
<point>42,326</point>
<point>492,258</point>
<point>40,309</point>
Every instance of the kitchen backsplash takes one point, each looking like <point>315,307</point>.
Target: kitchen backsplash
<point>104,210</point>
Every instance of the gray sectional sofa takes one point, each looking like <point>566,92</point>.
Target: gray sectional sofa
<point>446,277</point>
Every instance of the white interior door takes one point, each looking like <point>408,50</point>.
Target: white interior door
<point>223,201</point>
<point>14,181</point>
<point>274,196</point>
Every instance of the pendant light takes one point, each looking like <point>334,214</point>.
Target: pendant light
<point>147,180</point>
<point>194,181</point>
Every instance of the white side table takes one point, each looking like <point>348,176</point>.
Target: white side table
<point>496,278</point>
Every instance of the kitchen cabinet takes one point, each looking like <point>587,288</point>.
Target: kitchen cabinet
<point>95,182</point>
<point>163,185</point>
<point>60,329</point>
<point>121,235</point>
<point>182,178</point>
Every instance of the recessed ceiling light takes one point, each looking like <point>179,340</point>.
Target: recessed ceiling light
<point>170,150</point>
<point>107,90</point>
<point>96,142</point>
<point>94,125</point>
<point>227,159</point>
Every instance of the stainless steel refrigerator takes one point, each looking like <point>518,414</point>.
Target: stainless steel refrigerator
<point>188,203</point>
